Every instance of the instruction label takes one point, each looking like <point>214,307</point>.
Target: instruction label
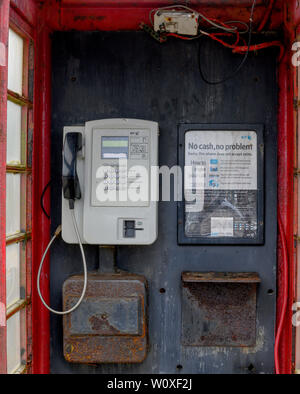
<point>223,181</point>
<point>229,158</point>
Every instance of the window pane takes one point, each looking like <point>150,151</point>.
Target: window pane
<point>14,125</point>
<point>15,62</point>
<point>12,274</point>
<point>13,214</point>
<point>13,343</point>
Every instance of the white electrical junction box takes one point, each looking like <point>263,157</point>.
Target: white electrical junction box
<point>175,21</point>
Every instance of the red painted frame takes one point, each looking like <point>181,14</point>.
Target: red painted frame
<point>4,23</point>
<point>287,161</point>
<point>41,176</point>
<point>126,15</point>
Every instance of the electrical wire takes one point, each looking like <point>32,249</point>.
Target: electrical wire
<point>57,232</point>
<point>229,31</point>
<point>42,200</point>
<point>263,45</point>
<point>266,16</point>
<point>285,294</point>
<point>233,74</point>
<point>181,37</point>
<point>241,23</point>
<point>244,48</point>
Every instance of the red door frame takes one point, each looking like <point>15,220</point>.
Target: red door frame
<point>20,14</point>
<point>94,16</point>
<point>41,176</point>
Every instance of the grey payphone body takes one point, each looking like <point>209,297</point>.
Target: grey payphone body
<point>114,173</point>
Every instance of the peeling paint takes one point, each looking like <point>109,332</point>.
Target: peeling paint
<point>2,315</point>
<point>260,342</point>
<point>2,55</point>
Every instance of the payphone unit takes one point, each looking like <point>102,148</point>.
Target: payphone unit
<point>107,188</point>
<point>113,159</point>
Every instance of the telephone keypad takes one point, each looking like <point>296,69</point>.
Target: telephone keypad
<point>117,177</point>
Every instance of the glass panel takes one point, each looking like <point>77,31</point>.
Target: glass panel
<point>15,62</point>
<point>13,343</point>
<point>12,273</point>
<point>13,195</point>
<point>14,127</point>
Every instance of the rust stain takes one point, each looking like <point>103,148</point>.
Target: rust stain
<point>101,323</point>
<point>106,344</point>
<point>219,311</point>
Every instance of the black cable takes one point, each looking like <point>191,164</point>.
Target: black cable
<point>241,63</point>
<point>42,199</point>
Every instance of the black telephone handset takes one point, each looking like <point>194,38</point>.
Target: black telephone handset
<point>71,190</point>
<point>70,181</point>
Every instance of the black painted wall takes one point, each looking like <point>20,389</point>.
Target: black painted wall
<point>127,74</point>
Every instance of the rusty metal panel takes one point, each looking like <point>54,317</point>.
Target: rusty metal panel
<point>107,316</point>
<point>219,309</point>
<point>221,277</point>
<point>110,324</point>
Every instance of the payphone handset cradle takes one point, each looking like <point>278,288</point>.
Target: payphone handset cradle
<point>123,148</point>
<point>70,181</point>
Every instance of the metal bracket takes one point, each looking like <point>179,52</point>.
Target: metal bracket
<point>107,259</point>
<point>153,33</point>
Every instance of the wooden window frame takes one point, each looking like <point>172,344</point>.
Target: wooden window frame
<point>25,100</point>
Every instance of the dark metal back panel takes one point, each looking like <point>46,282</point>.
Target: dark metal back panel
<point>127,74</point>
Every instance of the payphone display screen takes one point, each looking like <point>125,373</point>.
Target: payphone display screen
<point>222,186</point>
<point>114,147</point>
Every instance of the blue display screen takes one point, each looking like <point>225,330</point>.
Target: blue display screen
<point>114,147</point>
